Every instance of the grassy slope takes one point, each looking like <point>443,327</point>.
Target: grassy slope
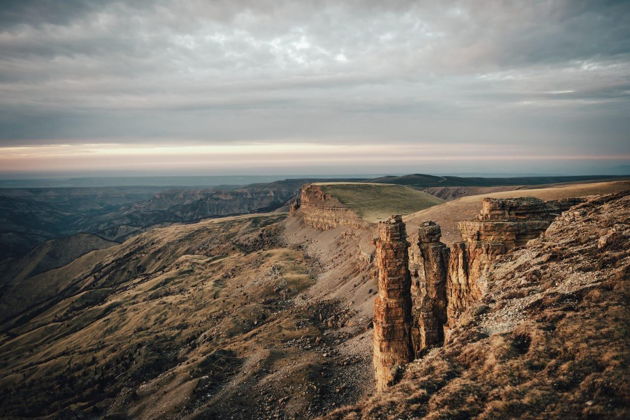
<point>448,214</point>
<point>374,202</point>
<point>195,319</point>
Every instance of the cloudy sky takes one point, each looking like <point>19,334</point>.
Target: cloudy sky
<point>237,86</point>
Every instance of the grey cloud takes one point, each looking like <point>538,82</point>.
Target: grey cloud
<point>492,71</point>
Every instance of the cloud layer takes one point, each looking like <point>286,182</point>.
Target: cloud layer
<point>548,77</point>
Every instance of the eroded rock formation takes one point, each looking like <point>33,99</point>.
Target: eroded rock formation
<point>502,225</point>
<point>392,307</point>
<point>429,289</point>
<point>322,211</point>
<point>412,316</point>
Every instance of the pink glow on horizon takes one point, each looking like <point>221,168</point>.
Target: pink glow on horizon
<point>112,156</point>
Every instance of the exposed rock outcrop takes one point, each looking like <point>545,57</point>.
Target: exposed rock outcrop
<point>446,282</point>
<point>551,341</point>
<point>428,289</point>
<point>392,307</point>
<point>322,211</point>
<point>468,261</point>
<point>502,225</point>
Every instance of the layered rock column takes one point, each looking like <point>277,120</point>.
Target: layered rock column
<point>392,307</point>
<point>429,295</point>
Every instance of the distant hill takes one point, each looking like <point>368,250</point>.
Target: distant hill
<point>51,254</point>
<point>423,180</point>
<point>30,216</point>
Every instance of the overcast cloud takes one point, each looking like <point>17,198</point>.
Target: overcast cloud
<point>541,78</point>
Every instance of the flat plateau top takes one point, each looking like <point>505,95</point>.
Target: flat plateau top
<point>374,202</point>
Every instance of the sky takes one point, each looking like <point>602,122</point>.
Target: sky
<point>314,87</point>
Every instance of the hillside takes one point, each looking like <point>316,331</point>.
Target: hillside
<point>448,214</point>
<point>548,340</point>
<point>425,181</point>
<point>51,254</point>
<point>374,202</point>
<point>215,319</point>
<point>270,315</point>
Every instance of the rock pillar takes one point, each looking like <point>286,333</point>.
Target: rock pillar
<point>392,307</point>
<point>430,300</point>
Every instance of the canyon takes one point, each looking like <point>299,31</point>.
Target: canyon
<point>313,312</point>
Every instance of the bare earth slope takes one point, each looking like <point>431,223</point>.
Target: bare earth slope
<point>48,255</point>
<point>205,320</point>
<point>466,208</point>
<point>548,340</point>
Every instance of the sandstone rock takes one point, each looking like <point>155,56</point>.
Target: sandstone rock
<point>392,307</point>
<point>429,290</point>
<point>467,263</point>
<point>524,208</point>
<point>322,211</point>
<point>411,316</point>
<point>502,225</point>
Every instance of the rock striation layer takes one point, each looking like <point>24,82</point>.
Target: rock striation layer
<point>428,289</point>
<point>392,307</point>
<point>416,308</point>
<point>322,211</point>
<point>502,225</point>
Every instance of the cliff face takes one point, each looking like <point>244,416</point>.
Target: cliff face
<point>444,282</point>
<point>392,307</point>
<point>467,263</point>
<point>502,225</point>
<point>429,288</point>
<point>322,211</point>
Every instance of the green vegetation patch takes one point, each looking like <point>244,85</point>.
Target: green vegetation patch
<point>374,202</point>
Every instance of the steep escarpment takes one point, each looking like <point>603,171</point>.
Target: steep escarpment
<point>443,282</point>
<point>324,211</point>
<point>502,225</point>
<point>449,214</point>
<point>548,339</point>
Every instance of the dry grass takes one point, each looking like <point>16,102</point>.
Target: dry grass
<point>193,320</point>
<point>466,208</point>
<point>374,202</point>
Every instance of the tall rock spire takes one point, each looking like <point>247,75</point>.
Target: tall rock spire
<point>429,295</point>
<point>392,307</point>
